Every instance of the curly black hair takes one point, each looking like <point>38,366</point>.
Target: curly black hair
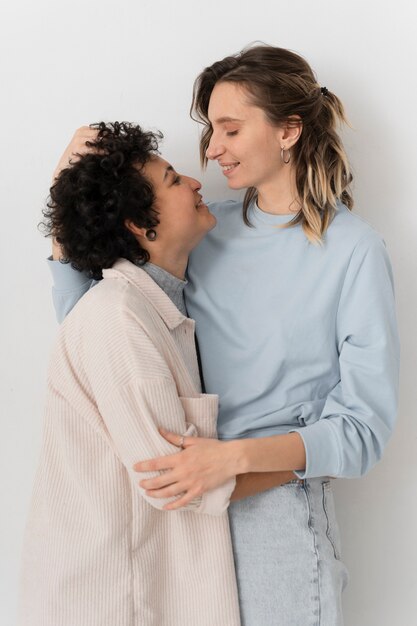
<point>91,199</point>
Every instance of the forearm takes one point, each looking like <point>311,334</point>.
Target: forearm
<point>205,463</point>
<point>255,482</point>
<point>279,453</point>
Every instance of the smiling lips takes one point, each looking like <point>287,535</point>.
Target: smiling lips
<point>228,168</point>
<point>200,203</point>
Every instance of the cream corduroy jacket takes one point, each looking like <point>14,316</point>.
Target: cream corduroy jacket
<point>98,551</point>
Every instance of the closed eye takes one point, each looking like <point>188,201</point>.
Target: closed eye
<point>231,133</point>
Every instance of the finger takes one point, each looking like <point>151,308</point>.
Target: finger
<point>176,440</point>
<point>86,132</point>
<point>157,482</point>
<point>82,137</point>
<point>157,464</point>
<point>167,492</point>
<point>181,502</point>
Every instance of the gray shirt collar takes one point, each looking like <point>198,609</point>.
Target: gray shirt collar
<point>171,285</point>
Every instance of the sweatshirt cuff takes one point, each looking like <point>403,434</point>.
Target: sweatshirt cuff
<point>216,501</point>
<point>321,446</point>
<point>64,277</point>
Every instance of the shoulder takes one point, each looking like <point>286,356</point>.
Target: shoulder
<point>364,250</point>
<point>352,232</point>
<point>116,323</point>
<point>109,307</point>
<point>109,294</point>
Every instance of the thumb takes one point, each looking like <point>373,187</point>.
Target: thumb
<point>170,436</point>
<point>181,441</point>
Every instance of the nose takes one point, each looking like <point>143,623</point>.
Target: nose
<point>193,183</point>
<point>214,149</point>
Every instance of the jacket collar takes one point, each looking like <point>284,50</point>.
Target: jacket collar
<point>149,289</point>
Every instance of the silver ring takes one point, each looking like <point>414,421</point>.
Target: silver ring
<point>181,444</point>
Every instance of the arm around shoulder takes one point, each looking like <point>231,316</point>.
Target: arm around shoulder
<point>68,287</point>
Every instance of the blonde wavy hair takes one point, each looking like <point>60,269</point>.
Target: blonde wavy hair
<point>284,86</point>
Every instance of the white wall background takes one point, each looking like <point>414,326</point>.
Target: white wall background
<point>64,64</point>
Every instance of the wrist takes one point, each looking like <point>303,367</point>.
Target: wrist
<point>277,453</point>
<point>237,451</point>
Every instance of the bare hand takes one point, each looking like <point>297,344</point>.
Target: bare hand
<point>203,464</point>
<point>76,148</point>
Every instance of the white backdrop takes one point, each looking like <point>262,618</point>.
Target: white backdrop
<point>64,64</point>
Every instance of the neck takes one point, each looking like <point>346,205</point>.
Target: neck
<point>174,264</point>
<point>279,196</point>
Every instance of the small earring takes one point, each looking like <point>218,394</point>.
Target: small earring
<point>283,159</point>
<point>151,234</point>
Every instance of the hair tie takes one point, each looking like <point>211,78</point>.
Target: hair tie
<point>324,91</point>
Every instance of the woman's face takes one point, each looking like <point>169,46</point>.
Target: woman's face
<point>245,144</point>
<point>184,219</point>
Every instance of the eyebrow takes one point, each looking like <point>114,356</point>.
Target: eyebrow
<point>226,118</point>
<point>168,170</point>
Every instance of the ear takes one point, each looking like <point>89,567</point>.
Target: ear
<point>291,131</point>
<point>135,230</point>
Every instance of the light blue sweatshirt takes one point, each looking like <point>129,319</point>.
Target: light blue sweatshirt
<point>293,336</point>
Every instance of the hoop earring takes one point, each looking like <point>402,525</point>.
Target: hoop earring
<point>286,161</point>
<point>151,234</point>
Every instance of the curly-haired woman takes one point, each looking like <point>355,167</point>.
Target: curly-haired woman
<point>98,550</point>
<point>295,316</point>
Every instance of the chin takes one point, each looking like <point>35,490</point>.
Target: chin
<point>209,224</point>
<point>208,227</point>
<point>236,184</point>
<point>212,223</point>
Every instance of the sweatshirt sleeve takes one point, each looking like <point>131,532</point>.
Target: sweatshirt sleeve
<point>359,413</point>
<point>68,287</point>
<point>132,415</point>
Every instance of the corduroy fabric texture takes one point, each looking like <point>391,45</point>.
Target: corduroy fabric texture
<point>97,551</point>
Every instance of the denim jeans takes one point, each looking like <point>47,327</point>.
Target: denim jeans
<point>287,555</point>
